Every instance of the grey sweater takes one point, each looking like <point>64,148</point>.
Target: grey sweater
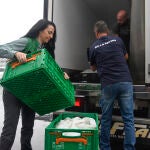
<point>8,50</point>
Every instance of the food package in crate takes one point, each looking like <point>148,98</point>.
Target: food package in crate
<point>39,83</point>
<point>75,131</point>
<point>77,123</point>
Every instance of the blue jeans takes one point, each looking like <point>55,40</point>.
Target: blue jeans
<point>123,91</point>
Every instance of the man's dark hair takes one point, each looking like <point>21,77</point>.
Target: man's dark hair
<point>101,27</point>
<point>40,26</point>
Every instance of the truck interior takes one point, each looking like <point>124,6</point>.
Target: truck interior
<point>75,20</point>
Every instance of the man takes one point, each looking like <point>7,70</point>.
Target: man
<point>108,56</point>
<point>122,28</point>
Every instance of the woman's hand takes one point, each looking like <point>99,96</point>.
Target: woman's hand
<point>66,76</point>
<point>21,57</point>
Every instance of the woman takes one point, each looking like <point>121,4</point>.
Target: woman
<point>41,35</point>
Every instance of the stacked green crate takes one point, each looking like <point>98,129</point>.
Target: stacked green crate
<point>87,139</point>
<point>87,86</point>
<point>39,83</point>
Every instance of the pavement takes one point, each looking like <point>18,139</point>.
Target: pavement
<point>39,130</point>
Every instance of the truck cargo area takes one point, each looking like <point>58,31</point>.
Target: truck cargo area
<point>75,21</point>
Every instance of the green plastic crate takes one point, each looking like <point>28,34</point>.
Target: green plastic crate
<point>87,140</point>
<point>87,86</point>
<point>39,83</point>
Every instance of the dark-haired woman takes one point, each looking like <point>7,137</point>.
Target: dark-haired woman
<point>41,35</point>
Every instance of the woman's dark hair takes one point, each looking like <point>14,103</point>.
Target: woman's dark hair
<point>40,26</point>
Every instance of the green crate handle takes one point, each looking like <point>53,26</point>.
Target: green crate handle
<point>77,140</point>
<point>15,64</point>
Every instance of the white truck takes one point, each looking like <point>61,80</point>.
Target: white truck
<point>74,20</point>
